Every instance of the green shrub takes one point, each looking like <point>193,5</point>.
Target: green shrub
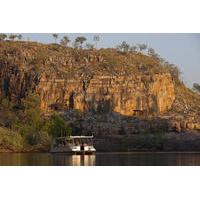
<point>9,139</point>
<point>57,127</point>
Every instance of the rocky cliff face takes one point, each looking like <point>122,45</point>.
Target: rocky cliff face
<point>125,95</point>
<point>65,80</point>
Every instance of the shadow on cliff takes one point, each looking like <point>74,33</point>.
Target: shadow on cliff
<point>102,123</point>
<point>116,132</point>
<point>99,119</point>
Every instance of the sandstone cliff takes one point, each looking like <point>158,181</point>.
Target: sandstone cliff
<point>85,80</point>
<point>121,94</point>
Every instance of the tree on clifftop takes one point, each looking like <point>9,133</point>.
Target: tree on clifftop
<point>79,41</point>
<point>133,48</point>
<point>89,46</point>
<point>19,37</point>
<point>2,36</point>
<point>152,53</point>
<point>124,47</point>
<point>96,39</point>
<point>55,36</point>
<point>65,41</point>
<point>12,37</point>
<point>196,87</point>
<point>142,47</point>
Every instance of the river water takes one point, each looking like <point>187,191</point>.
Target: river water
<point>100,159</point>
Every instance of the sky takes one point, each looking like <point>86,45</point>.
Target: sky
<point>181,49</point>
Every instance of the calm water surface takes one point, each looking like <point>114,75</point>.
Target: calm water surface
<point>100,159</point>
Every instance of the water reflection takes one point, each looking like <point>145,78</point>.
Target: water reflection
<point>86,160</point>
<point>74,160</point>
<point>24,159</point>
<point>100,159</point>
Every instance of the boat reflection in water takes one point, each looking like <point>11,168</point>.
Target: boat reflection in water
<point>84,160</point>
<point>74,160</point>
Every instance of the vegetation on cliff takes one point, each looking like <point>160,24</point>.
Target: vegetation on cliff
<point>59,58</point>
<point>25,128</point>
<point>196,87</point>
<point>10,140</point>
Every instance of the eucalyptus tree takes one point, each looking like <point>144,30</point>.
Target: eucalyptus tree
<point>3,36</point>
<point>196,87</point>
<point>19,37</point>
<point>80,40</point>
<point>75,45</point>
<point>65,41</point>
<point>142,47</point>
<point>89,46</point>
<point>151,52</point>
<point>133,48</point>
<point>124,47</point>
<point>162,61</point>
<point>12,36</point>
<point>55,36</point>
<point>96,39</point>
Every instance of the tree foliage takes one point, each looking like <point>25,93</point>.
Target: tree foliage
<point>96,39</point>
<point>124,47</point>
<point>65,41</point>
<point>196,87</point>
<point>15,36</point>
<point>142,47</point>
<point>89,46</point>
<point>12,36</point>
<point>32,110</point>
<point>31,123</point>
<point>11,140</point>
<point>2,36</point>
<point>55,36</point>
<point>79,41</point>
<point>19,37</point>
<point>57,127</point>
<point>9,117</point>
<point>133,48</point>
<point>174,70</point>
<point>151,52</point>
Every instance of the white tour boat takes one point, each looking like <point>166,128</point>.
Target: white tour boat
<point>73,144</point>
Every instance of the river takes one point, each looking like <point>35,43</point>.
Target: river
<point>101,159</point>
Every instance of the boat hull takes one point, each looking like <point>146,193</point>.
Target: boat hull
<point>70,151</point>
<point>74,152</point>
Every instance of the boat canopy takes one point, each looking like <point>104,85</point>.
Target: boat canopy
<point>76,137</point>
